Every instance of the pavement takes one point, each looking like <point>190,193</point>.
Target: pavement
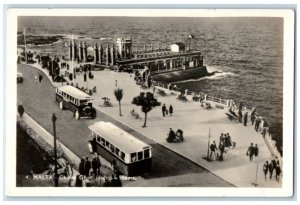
<point>200,127</point>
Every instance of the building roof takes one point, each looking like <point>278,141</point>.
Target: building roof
<point>118,137</point>
<point>179,44</point>
<point>75,92</point>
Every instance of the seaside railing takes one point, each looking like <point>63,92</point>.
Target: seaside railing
<point>220,103</point>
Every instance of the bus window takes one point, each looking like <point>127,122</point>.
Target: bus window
<point>107,144</point>
<point>140,155</point>
<point>123,156</point>
<point>118,152</point>
<point>98,138</point>
<point>102,142</point>
<point>133,157</point>
<point>112,148</point>
<point>146,153</point>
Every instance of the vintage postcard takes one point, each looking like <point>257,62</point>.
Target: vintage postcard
<point>149,102</point>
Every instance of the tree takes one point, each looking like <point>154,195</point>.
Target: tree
<point>119,95</point>
<point>147,102</point>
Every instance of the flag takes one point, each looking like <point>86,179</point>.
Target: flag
<point>191,36</point>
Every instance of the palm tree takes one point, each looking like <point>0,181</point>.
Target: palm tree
<point>119,95</point>
<point>147,102</point>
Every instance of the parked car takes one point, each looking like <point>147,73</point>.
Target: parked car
<point>19,77</point>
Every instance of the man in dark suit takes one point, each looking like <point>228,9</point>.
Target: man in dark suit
<point>98,165</point>
<point>163,109</point>
<point>94,166</point>
<point>87,166</point>
<point>250,152</point>
<point>255,151</point>
<point>81,167</point>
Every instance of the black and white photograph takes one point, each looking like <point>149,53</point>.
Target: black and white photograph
<point>151,99</point>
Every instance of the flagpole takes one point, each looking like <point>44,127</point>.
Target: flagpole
<point>25,46</point>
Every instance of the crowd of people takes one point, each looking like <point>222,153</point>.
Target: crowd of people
<point>270,167</point>
<point>225,143</point>
<point>260,123</point>
<point>252,152</point>
<point>88,168</point>
<point>175,137</point>
<point>167,111</point>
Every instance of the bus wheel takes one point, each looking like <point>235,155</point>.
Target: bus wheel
<point>90,146</point>
<point>61,105</point>
<point>77,116</point>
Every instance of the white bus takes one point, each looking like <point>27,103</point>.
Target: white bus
<point>77,101</point>
<point>132,156</point>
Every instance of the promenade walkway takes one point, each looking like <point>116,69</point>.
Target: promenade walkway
<point>196,123</point>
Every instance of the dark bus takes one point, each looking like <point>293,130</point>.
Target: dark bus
<point>77,101</point>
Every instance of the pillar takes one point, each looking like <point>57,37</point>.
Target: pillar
<point>96,54</point>
<point>84,48</point>
<point>171,64</point>
<point>100,50</point>
<point>113,59</point>
<point>74,51</point>
<point>70,50</point>
<point>145,48</point>
<point>107,55</point>
<point>80,54</point>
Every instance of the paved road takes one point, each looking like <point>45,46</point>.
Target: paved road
<point>39,102</point>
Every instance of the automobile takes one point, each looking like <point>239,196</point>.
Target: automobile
<point>19,77</point>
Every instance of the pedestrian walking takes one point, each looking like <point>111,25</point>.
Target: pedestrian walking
<point>40,78</point>
<point>81,167</point>
<point>222,138</point>
<point>265,169</point>
<point>271,169</point>
<point>98,166</point>
<point>171,110</point>
<point>84,77</point>
<point>240,116</point>
<point>257,122</point>
<point>277,171</point>
<point>213,149</point>
<point>163,109</point>
<point>227,140</point>
<point>255,151</point>
<point>245,119</point>
<point>250,152</point>
<point>252,116</point>
<point>94,166</point>
<point>221,150</point>
<point>87,167</point>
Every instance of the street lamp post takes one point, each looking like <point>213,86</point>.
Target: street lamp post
<point>208,145</point>
<point>255,183</point>
<point>55,151</point>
